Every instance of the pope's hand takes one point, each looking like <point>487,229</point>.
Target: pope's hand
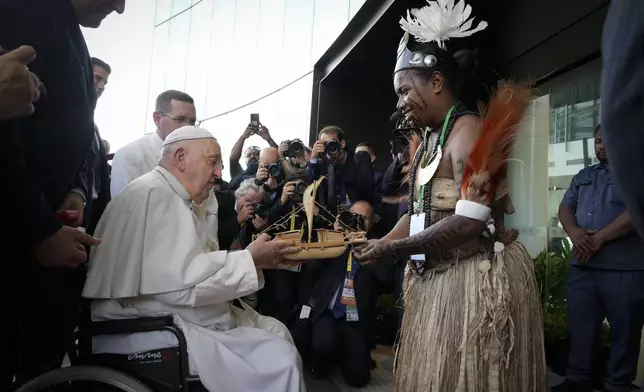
<point>18,87</point>
<point>65,248</point>
<point>269,254</point>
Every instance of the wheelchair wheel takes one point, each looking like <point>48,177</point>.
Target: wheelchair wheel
<point>84,378</point>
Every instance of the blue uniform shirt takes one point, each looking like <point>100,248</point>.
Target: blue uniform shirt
<point>594,198</point>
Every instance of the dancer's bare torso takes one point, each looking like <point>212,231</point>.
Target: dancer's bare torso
<point>454,158</point>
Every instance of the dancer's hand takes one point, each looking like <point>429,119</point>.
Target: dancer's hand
<point>375,251</point>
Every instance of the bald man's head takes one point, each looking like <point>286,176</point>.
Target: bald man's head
<point>268,156</point>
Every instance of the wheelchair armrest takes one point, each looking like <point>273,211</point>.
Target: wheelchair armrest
<point>144,324</point>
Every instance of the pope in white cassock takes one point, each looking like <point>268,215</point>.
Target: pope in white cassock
<point>159,256</point>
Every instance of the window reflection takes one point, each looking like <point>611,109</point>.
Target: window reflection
<point>574,115</point>
<point>227,53</point>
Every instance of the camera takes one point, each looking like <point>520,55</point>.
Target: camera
<point>274,169</point>
<point>300,188</point>
<point>261,210</point>
<point>298,192</point>
<point>332,149</point>
<point>351,220</point>
<point>295,149</point>
<point>400,140</point>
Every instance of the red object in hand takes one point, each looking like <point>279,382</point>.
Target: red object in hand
<point>67,217</point>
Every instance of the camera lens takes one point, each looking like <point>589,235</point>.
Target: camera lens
<point>295,149</point>
<point>274,170</point>
<point>332,148</point>
<point>300,188</point>
<point>261,210</point>
<point>347,218</point>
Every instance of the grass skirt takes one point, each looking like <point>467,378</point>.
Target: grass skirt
<point>475,326</point>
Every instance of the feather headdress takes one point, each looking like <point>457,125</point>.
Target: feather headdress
<point>440,21</point>
<point>487,163</point>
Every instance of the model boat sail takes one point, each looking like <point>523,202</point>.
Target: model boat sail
<point>329,243</point>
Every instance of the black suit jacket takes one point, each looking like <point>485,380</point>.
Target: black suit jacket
<point>50,150</point>
<point>623,102</point>
<point>357,174</point>
<point>320,280</point>
<point>100,180</point>
<point>227,219</point>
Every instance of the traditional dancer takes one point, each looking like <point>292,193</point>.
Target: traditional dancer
<point>472,318</point>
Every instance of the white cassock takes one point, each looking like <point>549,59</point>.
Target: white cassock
<point>134,160</point>
<point>157,258</point>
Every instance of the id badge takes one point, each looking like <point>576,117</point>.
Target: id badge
<point>348,294</point>
<point>417,224</point>
<point>352,313</point>
<point>305,312</point>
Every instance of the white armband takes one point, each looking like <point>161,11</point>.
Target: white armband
<point>473,210</point>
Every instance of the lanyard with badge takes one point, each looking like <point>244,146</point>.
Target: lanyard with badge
<point>428,167</point>
<point>348,293</point>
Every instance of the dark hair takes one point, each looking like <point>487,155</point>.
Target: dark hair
<point>369,145</point>
<point>298,174</point>
<point>96,61</point>
<point>333,129</point>
<point>597,129</point>
<point>165,99</point>
<point>457,68</point>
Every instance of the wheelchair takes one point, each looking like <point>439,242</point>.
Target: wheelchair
<point>159,370</point>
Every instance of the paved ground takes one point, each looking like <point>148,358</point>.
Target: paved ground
<point>382,377</point>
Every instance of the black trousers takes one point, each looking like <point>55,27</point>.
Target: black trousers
<point>594,294</point>
<point>328,342</point>
<point>48,310</point>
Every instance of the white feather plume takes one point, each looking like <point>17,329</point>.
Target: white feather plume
<point>439,21</point>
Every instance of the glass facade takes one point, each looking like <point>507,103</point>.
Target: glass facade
<point>237,57</point>
<point>556,143</point>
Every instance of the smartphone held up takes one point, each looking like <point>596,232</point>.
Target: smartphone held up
<point>254,122</point>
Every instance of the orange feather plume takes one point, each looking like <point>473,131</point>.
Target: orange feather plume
<point>487,163</point>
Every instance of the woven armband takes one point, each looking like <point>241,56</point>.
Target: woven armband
<point>473,210</point>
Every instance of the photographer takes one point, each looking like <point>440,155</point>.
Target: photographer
<point>350,176</point>
<point>369,149</point>
<point>252,203</point>
<point>279,295</point>
<point>294,154</point>
<point>395,192</point>
<point>252,153</point>
<point>330,325</point>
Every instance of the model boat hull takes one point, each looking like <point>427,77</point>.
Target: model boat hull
<point>317,253</point>
<point>330,244</point>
